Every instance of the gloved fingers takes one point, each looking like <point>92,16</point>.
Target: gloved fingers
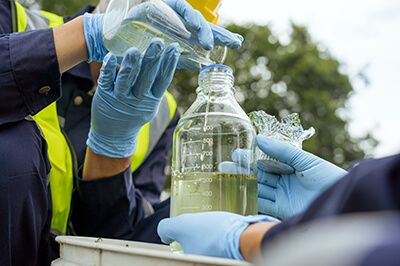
<point>233,168</point>
<point>165,230</point>
<point>275,167</point>
<point>119,61</point>
<point>195,21</point>
<point>266,206</point>
<point>150,65</point>
<point>107,72</point>
<point>267,179</point>
<point>225,37</point>
<point>167,69</point>
<point>243,157</point>
<point>266,192</point>
<point>285,152</point>
<point>127,74</point>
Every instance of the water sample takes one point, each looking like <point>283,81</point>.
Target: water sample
<point>134,23</point>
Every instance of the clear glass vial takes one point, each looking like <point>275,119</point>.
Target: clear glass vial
<point>210,131</point>
<point>134,23</point>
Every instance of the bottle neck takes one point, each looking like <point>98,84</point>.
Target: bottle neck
<point>215,94</point>
<point>215,79</point>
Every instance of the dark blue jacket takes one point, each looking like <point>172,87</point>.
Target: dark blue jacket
<point>21,78</point>
<point>110,207</point>
<point>371,186</point>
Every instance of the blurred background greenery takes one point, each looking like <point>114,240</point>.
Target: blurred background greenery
<point>283,79</point>
<point>279,79</point>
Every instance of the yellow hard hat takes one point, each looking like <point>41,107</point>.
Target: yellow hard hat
<point>208,8</point>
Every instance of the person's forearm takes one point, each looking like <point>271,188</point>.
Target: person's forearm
<point>70,43</point>
<point>251,238</point>
<point>97,166</point>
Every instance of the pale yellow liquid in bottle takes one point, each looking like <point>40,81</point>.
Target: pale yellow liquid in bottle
<point>200,192</point>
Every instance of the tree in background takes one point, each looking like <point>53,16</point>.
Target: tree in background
<point>279,79</point>
<point>283,79</point>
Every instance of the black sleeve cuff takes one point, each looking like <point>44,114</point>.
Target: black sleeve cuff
<point>104,191</point>
<point>35,67</point>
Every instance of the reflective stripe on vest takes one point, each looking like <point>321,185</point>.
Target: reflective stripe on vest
<point>61,173</point>
<point>151,132</point>
<point>36,19</point>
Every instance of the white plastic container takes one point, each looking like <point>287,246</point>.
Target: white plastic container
<point>84,251</point>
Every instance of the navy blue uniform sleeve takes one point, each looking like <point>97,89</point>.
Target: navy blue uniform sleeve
<point>29,74</point>
<point>25,199</point>
<point>106,207</point>
<point>387,253</point>
<point>112,208</point>
<point>373,185</point>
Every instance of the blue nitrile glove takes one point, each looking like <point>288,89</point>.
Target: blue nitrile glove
<point>208,33</point>
<point>240,164</point>
<point>208,233</point>
<point>93,30</point>
<point>287,187</point>
<point>121,107</point>
<point>284,195</point>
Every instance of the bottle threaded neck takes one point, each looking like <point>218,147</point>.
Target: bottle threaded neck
<point>215,77</point>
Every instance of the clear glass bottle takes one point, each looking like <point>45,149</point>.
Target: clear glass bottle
<point>134,23</point>
<point>207,135</point>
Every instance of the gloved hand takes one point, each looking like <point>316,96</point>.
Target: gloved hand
<point>208,33</point>
<point>208,233</point>
<point>287,187</point>
<point>121,107</point>
<point>93,30</point>
<point>285,195</point>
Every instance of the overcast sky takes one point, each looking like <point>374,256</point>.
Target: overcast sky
<point>362,35</point>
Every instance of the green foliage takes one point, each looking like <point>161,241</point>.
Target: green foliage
<point>279,79</point>
<point>283,79</point>
<point>65,8</point>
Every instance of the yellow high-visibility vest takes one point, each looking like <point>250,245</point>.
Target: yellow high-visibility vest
<point>61,153</point>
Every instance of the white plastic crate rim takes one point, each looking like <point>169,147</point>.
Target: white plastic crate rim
<point>101,251</point>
